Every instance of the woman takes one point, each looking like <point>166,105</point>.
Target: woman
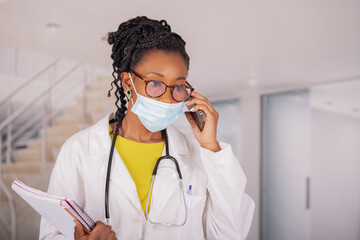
<point>150,69</point>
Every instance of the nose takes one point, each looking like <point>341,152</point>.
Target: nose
<point>167,97</point>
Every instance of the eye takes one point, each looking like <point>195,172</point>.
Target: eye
<point>155,83</point>
<point>179,88</point>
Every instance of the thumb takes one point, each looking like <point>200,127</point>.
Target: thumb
<point>79,230</point>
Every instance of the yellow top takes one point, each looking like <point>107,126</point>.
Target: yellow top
<point>140,160</point>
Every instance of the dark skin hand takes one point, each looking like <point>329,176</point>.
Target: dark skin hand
<point>206,137</point>
<point>100,232</point>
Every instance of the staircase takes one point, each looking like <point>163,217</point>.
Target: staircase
<point>28,167</point>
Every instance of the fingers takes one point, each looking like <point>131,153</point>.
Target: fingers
<point>102,231</point>
<point>79,231</point>
<point>200,100</point>
<point>206,137</point>
<point>204,105</point>
<point>111,236</point>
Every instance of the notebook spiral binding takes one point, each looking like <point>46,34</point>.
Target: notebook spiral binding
<point>75,210</point>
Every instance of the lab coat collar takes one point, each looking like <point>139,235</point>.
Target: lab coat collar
<point>99,138</point>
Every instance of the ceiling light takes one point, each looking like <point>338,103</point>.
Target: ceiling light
<point>53,25</point>
<point>329,102</point>
<point>252,81</point>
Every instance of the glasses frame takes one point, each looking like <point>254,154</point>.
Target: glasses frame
<point>166,86</point>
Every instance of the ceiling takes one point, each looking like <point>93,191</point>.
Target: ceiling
<point>233,44</point>
<point>340,98</point>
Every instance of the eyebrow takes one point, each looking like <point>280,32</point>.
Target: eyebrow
<point>159,74</point>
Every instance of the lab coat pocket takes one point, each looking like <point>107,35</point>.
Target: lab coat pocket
<point>195,210</point>
<point>195,203</point>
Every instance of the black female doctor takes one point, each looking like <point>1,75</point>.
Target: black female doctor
<point>143,50</point>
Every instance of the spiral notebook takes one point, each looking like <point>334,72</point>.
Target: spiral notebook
<point>59,211</point>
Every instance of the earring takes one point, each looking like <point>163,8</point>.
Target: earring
<point>128,94</point>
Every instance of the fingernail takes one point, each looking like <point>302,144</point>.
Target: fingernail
<point>191,109</point>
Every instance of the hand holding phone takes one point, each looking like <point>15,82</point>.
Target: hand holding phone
<point>198,116</point>
<point>206,135</point>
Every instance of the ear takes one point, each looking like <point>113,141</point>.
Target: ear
<point>125,81</point>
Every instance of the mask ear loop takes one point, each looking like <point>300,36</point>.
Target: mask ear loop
<point>133,87</point>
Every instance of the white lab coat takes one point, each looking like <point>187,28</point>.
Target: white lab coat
<point>218,206</point>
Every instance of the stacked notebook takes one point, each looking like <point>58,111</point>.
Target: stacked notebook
<point>59,211</point>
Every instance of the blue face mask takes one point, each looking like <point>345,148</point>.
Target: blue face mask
<point>156,115</point>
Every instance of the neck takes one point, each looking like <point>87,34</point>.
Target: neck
<point>132,129</point>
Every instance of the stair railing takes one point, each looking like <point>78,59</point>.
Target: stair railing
<point>30,80</point>
<point>12,209</point>
<point>24,107</point>
<point>31,126</point>
<point>13,115</point>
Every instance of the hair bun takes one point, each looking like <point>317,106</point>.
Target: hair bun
<point>111,37</point>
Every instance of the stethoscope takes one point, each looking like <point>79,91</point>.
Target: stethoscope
<point>167,156</point>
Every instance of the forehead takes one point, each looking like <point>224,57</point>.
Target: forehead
<point>169,64</point>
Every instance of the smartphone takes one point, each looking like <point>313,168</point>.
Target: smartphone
<point>199,117</point>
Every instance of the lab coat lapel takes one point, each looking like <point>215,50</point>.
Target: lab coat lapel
<point>121,178</point>
<point>100,144</point>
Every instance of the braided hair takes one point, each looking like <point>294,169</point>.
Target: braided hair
<point>132,40</point>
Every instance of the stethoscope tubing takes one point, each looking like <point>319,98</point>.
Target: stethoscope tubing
<point>107,182</point>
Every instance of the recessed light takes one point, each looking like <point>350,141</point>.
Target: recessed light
<point>53,25</point>
<point>329,102</point>
<point>252,81</point>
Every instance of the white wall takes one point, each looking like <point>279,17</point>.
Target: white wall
<point>335,205</point>
<point>250,152</point>
<point>285,166</point>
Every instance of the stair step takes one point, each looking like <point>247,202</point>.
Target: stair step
<point>96,91</point>
<point>21,167</point>
<point>98,115</point>
<point>33,143</point>
<point>68,119</point>
<point>60,130</point>
<point>32,154</point>
<point>27,219</point>
<point>100,107</point>
<point>72,110</point>
<point>98,97</point>
<point>33,150</point>
<point>102,83</point>
<point>5,221</point>
<point>38,180</point>
<point>53,142</point>
<point>105,78</point>
<point>28,154</point>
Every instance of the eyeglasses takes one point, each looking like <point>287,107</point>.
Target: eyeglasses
<point>156,88</point>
